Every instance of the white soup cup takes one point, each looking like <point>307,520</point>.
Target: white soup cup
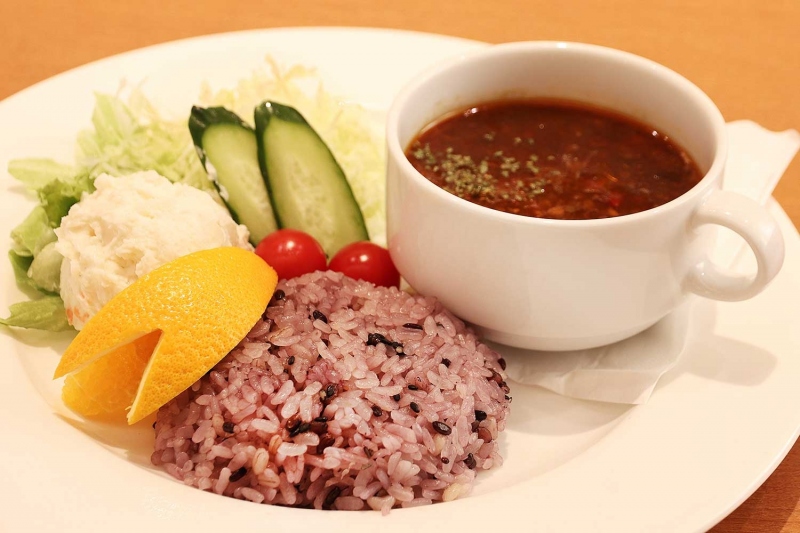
<point>569,284</point>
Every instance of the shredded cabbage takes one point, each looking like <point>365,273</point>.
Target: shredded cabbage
<point>134,136</point>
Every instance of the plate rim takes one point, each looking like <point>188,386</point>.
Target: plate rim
<point>188,41</point>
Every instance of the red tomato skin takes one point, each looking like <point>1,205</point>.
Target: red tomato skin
<point>291,253</point>
<point>366,261</point>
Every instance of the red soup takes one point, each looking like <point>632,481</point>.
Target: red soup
<point>552,159</point>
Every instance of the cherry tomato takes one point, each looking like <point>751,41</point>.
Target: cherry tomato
<point>291,253</point>
<point>366,261</point>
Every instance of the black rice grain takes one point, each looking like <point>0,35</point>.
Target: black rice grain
<point>239,474</point>
<point>300,428</point>
<point>442,428</point>
<point>373,339</point>
<point>331,497</point>
<point>325,441</point>
<point>319,427</point>
<point>470,462</point>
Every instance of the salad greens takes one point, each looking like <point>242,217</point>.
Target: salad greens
<point>35,261</point>
<point>129,135</point>
<point>33,234</point>
<point>125,138</point>
<point>132,137</point>
<point>354,134</point>
<point>46,313</point>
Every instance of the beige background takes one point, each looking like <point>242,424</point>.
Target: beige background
<point>744,55</point>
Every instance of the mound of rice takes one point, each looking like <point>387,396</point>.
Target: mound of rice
<point>344,396</point>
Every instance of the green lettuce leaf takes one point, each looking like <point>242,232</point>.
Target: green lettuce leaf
<point>45,269</point>
<point>58,196</point>
<point>44,280</point>
<point>33,234</point>
<point>35,173</point>
<point>45,313</point>
<point>20,265</point>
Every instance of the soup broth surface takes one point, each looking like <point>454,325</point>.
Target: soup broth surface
<point>552,159</point>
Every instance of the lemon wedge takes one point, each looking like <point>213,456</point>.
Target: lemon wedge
<point>157,337</point>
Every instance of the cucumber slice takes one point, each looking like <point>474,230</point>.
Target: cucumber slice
<point>308,188</point>
<point>228,151</point>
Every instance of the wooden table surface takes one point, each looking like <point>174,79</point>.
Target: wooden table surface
<point>745,56</point>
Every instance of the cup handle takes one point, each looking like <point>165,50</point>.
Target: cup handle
<point>756,226</point>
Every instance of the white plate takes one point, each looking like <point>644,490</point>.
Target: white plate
<point>715,428</point>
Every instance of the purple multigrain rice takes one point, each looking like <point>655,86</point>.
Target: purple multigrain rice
<point>332,430</point>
